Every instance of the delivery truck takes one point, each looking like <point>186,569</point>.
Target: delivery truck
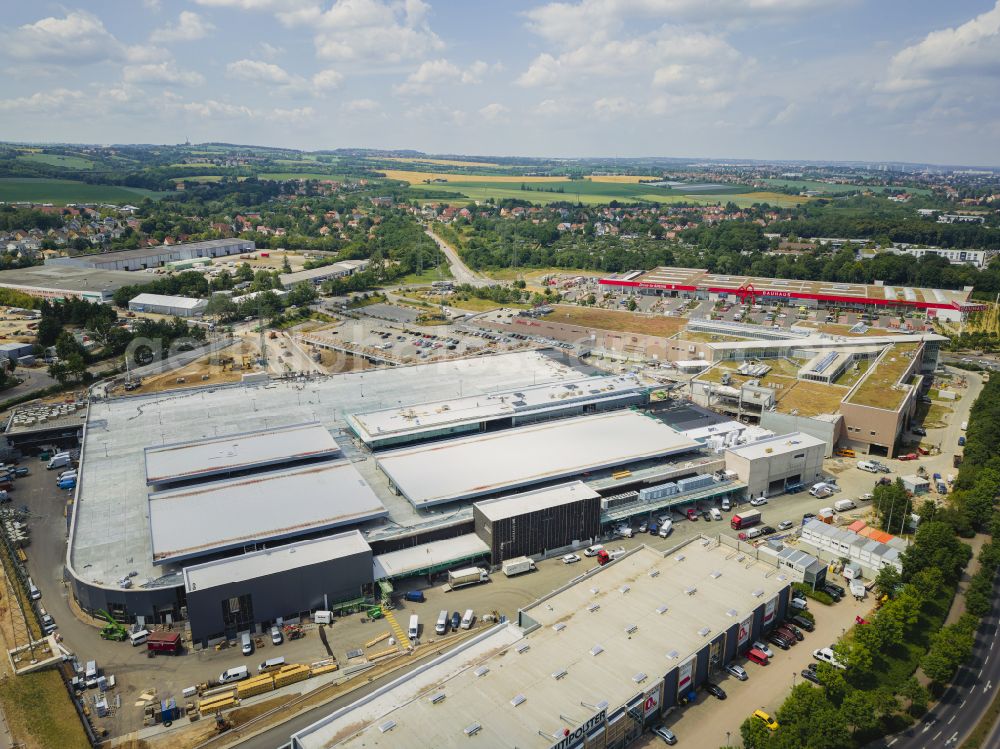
<point>745,519</point>
<point>164,642</point>
<point>467,576</point>
<point>517,566</point>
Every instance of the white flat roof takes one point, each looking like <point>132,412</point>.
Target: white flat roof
<point>270,561</point>
<point>219,515</point>
<point>781,444</point>
<point>162,300</point>
<point>396,422</point>
<point>489,463</point>
<point>409,561</point>
<point>702,591</point>
<point>539,499</point>
<point>212,456</point>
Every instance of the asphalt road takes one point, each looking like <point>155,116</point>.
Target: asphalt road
<point>962,706</point>
<point>461,272</point>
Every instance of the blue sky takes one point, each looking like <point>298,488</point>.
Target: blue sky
<point>875,80</point>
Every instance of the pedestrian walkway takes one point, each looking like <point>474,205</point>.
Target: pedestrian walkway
<point>397,630</point>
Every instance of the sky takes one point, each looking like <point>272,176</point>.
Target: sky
<point>865,80</point>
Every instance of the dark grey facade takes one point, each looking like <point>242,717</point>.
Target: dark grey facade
<point>537,532</point>
<point>227,609</point>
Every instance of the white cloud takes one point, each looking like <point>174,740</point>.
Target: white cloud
<point>573,23</point>
<point>189,27</point>
<point>435,72</point>
<point>78,38</point>
<point>972,49</point>
<point>42,101</point>
<point>270,51</point>
<point>361,105</point>
<point>142,53</point>
<point>253,4</point>
<point>327,80</point>
<point>164,73</point>
<point>257,71</point>
<point>493,112</point>
<point>211,108</point>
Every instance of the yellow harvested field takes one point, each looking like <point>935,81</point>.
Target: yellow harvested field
<point>417,177</point>
<point>618,179</point>
<point>771,197</point>
<point>441,162</point>
<point>603,319</point>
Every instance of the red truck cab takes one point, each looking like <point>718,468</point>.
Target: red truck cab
<point>603,557</point>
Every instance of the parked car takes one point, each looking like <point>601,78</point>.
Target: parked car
<point>776,639</point>
<point>692,514</point>
<point>832,592</point>
<point>810,675</point>
<point>642,527</point>
<point>784,525</point>
<point>791,629</point>
<point>767,720</point>
<point>666,734</point>
<point>758,501</point>
<point>919,431</point>
<point>763,648</point>
<point>866,497</point>
<point>21,471</point>
<point>801,621</point>
<point>570,558</point>
<point>276,636</point>
<point>456,620</point>
<point>837,588</point>
<point>715,690</point>
<point>738,671</point>
<point>807,517</point>
<point>706,515</point>
<point>767,530</point>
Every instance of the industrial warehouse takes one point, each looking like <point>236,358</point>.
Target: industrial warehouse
<point>253,472</point>
<point>616,648</point>
<point>699,283</point>
<point>156,257</point>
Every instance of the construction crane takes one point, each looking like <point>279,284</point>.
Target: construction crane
<point>113,630</point>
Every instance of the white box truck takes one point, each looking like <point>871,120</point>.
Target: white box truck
<point>843,505</point>
<point>58,461</point>
<point>518,565</point>
<point>467,576</point>
<point>468,619</point>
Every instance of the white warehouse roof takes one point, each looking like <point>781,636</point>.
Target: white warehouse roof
<point>198,520</point>
<point>162,300</point>
<point>433,554</point>
<point>595,637</point>
<point>508,459</point>
<point>271,561</point>
<point>781,444</point>
<point>212,456</point>
<point>539,499</point>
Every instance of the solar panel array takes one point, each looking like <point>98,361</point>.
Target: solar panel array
<point>825,362</point>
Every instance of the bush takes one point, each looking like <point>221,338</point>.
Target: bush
<point>816,595</point>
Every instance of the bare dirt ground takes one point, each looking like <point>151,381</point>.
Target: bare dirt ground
<point>590,317</point>
<point>200,372</point>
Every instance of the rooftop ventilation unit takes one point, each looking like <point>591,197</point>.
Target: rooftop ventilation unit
<point>715,575</point>
<point>557,675</point>
<point>602,705</point>
<point>559,627</point>
<point>593,607</point>
<point>691,591</point>
<point>481,671</point>
<point>654,573</point>
<point>704,631</point>
<point>741,557</point>
<point>662,609</point>
<point>631,628</point>
<point>439,697</point>
<point>673,655</point>
<point>731,613</point>
<point>472,729</point>
<point>706,541</point>
<point>595,591</point>
<point>679,558</point>
<point>517,700</point>
<point>523,648</point>
<point>758,593</point>
<point>624,589</point>
<point>782,577</point>
<point>639,678</point>
<point>596,650</point>
<point>387,726</point>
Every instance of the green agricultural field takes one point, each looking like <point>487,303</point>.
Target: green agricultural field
<point>282,176</point>
<point>200,178</point>
<point>830,189</point>
<point>53,159</point>
<point>63,191</point>
<point>593,193</point>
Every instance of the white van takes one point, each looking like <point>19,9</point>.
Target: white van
<point>247,643</point>
<point>843,505</point>
<point>593,551</point>
<point>467,619</point>
<point>66,474</point>
<point>965,425</point>
<point>442,623</point>
<point>271,664</point>
<point>865,465</point>
<point>138,638</point>
<point>58,461</point>
<point>414,629</point>
<point>714,512</point>
<point>90,672</point>
<point>725,504</point>
<point>752,532</point>
<point>828,656</point>
<point>33,592</point>
<point>666,527</point>
<point>821,489</point>
<point>239,673</point>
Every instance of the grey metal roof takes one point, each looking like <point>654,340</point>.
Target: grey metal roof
<point>539,499</point>
<point>271,561</point>
<point>490,463</point>
<point>199,520</point>
<point>181,461</point>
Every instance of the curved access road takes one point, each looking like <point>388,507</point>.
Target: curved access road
<point>964,703</point>
<point>461,272</point>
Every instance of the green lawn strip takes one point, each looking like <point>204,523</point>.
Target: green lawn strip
<point>38,706</point>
